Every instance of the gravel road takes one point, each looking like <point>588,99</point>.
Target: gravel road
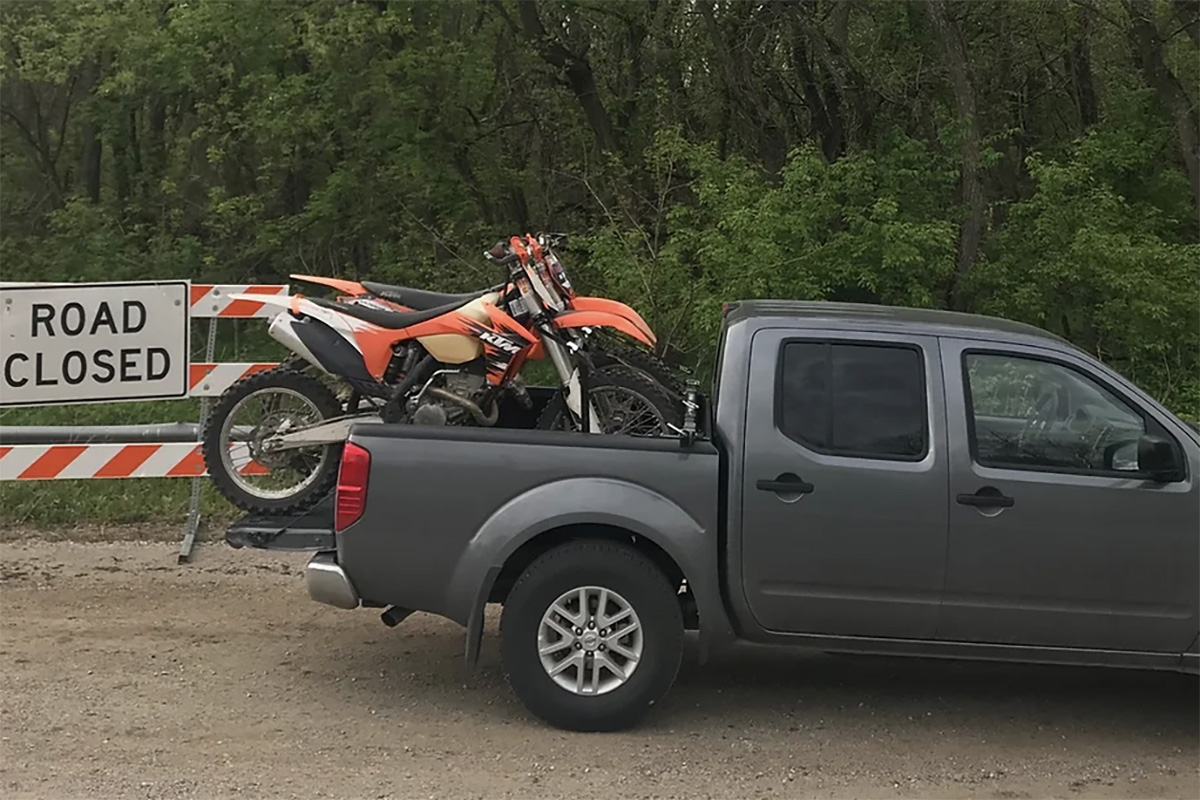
<point>123,675</point>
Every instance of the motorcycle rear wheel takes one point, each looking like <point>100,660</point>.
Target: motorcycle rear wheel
<point>271,483</point>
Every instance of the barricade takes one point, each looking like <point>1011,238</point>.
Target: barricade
<point>29,453</point>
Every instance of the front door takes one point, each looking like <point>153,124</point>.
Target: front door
<point>1055,538</point>
<point>844,484</point>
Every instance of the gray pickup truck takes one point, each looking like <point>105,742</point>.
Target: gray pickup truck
<point>866,479</point>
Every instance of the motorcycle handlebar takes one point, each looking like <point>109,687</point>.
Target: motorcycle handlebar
<point>500,255</point>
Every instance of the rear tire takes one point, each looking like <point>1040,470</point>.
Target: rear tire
<point>287,379</point>
<point>628,580</point>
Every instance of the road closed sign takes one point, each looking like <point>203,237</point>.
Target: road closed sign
<point>93,342</point>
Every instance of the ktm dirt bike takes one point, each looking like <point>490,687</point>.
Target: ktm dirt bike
<point>603,349</point>
<point>274,440</point>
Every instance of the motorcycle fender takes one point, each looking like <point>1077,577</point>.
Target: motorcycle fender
<point>283,303</point>
<point>352,288</point>
<point>602,319</point>
<point>614,307</point>
<point>333,352</point>
<point>338,343</point>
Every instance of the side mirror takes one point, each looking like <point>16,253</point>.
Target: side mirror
<point>1158,458</point>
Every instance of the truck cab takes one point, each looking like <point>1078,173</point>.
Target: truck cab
<point>872,480</point>
<point>924,476</point>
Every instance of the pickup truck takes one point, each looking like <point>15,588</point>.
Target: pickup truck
<point>865,479</point>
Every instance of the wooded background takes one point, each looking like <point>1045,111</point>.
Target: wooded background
<point>1035,160</point>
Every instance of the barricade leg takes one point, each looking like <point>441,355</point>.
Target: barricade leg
<point>193,517</point>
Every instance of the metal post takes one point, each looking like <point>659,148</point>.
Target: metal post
<point>193,518</point>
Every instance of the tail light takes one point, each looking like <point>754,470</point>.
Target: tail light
<point>351,497</point>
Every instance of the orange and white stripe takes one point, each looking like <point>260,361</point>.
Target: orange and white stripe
<point>213,300</point>
<point>210,380</point>
<point>41,462</point>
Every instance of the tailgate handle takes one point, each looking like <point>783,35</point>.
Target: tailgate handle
<point>787,483</point>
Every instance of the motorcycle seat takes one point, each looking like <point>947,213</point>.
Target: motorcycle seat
<point>417,299</point>
<point>392,320</point>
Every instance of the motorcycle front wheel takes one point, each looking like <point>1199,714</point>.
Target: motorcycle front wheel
<point>250,412</point>
<point>644,361</point>
<point>625,401</point>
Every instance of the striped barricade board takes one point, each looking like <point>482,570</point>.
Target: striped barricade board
<point>213,300</point>
<point>210,380</point>
<point>42,462</point>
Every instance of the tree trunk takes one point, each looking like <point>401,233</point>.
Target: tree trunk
<point>120,158</point>
<point>971,233</point>
<point>90,166</point>
<point>1188,14</point>
<point>1079,61</point>
<point>742,90</point>
<point>155,164</point>
<point>1148,47</point>
<point>845,89</point>
<point>824,107</point>
<point>576,70</point>
<point>92,149</point>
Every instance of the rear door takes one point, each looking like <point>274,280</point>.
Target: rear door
<point>844,505</point>
<point>1055,538</point>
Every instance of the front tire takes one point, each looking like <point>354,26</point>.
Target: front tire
<point>591,636</point>
<point>645,361</point>
<point>626,402</point>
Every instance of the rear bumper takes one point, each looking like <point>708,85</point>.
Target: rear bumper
<point>311,531</point>
<point>328,582</point>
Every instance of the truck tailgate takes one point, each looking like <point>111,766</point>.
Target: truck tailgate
<point>311,530</point>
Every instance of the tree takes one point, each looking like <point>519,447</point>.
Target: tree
<point>1036,159</point>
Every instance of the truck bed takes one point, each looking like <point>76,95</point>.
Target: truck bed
<point>446,506</point>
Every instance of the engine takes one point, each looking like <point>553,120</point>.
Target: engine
<point>453,397</point>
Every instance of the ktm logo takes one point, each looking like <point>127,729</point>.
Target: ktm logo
<point>499,341</point>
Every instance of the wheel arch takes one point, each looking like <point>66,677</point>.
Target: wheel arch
<point>574,508</point>
<point>527,553</point>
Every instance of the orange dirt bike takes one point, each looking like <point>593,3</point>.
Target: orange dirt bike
<point>603,350</point>
<point>274,439</point>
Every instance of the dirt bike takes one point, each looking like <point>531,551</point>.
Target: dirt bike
<point>274,439</point>
<point>604,350</point>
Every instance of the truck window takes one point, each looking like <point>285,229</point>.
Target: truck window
<point>1026,413</point>
<point>863,400</point>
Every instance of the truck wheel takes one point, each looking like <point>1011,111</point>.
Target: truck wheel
<point>591,636</point>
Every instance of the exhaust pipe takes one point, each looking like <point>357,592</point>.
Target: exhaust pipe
<point>486,420</point>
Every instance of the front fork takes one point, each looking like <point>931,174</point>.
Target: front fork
<point>573,389</point>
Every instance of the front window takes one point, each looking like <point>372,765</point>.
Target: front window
<point>1034,414</point>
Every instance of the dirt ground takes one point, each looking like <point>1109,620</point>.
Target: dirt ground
<point>123,675</point>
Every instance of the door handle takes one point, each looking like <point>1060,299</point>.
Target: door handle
<point>787,483</point>
<point>987,497</point>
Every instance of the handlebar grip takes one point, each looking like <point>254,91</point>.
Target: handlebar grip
<point>498,260</point>
<point>500,254</point>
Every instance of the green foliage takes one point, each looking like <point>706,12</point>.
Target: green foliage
<point>1096,255</point>
<point>699,152</point>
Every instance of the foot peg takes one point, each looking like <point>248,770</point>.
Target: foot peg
<point>522,394</point>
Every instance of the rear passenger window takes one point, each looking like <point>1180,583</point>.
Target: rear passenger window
<point>854,399</point>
